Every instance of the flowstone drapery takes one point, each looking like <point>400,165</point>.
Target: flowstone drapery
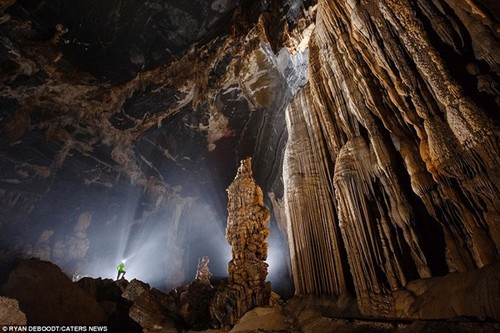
<point>390,169</point>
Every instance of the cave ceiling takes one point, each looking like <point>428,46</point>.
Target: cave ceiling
<point>90,52</point>
<point>125,110</point>
<point>114,40</point>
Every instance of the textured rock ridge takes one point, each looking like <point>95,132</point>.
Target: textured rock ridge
<point>402,132</point>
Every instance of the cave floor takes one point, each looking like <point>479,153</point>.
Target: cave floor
<point>273,320</point>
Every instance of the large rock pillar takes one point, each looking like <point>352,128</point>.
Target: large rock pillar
<point>246,232</point>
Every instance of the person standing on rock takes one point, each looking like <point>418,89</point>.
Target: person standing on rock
<point>121,270</point>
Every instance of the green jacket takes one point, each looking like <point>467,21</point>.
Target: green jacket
<point>121,267</point>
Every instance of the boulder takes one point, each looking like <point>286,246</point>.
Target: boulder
<point>48,297</point>
<point>108,293</point>
<point>101,289</point>
<point>135,289</point>
<point>195,303</point>
<point>267,319</point>
<point>151,309</point>
<point>10,314</point>
<point>469,294</point>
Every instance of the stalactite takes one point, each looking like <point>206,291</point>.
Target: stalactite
<point>414,151</point>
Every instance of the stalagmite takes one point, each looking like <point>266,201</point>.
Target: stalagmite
<point>246,232</point>
<point>203,274</point>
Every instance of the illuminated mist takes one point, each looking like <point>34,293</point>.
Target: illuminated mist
<point>160,247</point>
<point>161,240</point>
<point>163,248</point>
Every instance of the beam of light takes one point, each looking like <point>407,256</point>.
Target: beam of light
<point>161,246</point>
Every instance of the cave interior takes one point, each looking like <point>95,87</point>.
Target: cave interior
<point>372,128</point>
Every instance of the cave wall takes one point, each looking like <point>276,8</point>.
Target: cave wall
<point>397,133</point>
<point>138,149</point>
<point>373,127</point>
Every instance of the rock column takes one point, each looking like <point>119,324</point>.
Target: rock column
<point>246,232</point>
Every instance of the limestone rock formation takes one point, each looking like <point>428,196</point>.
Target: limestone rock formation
<point>185,307</point>
<point>203,274</point>
<point>48,297</point>
<point>373,127</point>
<point>135,306</point>
<point>75,245</point>
<point>399,139</point>
<point>468,294</point>
<point>128,123</point>
<point>109,294</point>
<point>313,234</point>
<point>268,319</point>
<point>151,309</point>
<point>193,304</point>
<point>10,314</point>
<point>135,289</point>
<point>246,232</point>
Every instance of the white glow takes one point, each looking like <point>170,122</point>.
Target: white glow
<point>274,256</point>
<point>277,259</point>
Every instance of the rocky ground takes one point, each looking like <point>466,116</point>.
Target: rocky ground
<point>38,293</point>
